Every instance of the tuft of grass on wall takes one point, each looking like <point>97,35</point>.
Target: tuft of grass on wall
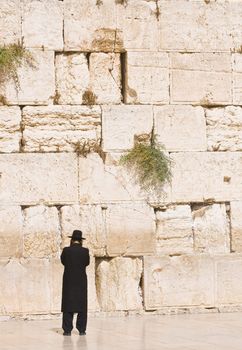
<point>149,163</point>
<point>12,57</point>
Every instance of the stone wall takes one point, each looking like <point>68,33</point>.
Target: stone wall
<point>107,71</point>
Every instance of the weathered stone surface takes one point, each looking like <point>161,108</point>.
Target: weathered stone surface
<point>92,293</point>
<point>229,274</point>
<point>174,230</point>
<point>178,281</point>
<point>147,78</point>
<point>201,78</point>
<point>55,278</point>
<point>138,21</point>
<point>24,286</point>
<point>199,176</point>
<point>90,219</point>
<point>224,128</point>
<point>72,77</point>
<point>121,124</point>
<point>105,77</point>
<point>10,135</point>
<point>89,27</point>
<point>37,82</point>
<point>42,24</point>
<point>197,26</point>
<point>236,226</point>
<point>60,128</point>
<point>10,22</point>
<point>10,231</point>
<point>130,229</point>
<point>237,79</point>
<point>180,128</point>
<point>118,282</point>
<point>211,229</point>
<point>31,179</point>
<point>41,232</point>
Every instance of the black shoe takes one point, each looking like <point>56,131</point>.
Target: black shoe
<point>67,333</point>
<point>82,333</point>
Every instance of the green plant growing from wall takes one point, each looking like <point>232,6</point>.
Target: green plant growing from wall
<point>12,57</point>
<point>149,163</point>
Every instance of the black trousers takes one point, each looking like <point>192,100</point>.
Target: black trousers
<point>67,321</point>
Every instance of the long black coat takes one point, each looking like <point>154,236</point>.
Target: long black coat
<point>74,288</point>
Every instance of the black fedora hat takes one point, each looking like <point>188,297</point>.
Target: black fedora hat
<point>77,235</point>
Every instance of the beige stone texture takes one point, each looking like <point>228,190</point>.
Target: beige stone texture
<point>55,278</point>
<point>60,128</point>
<point>41,178</point>
<point>138,22</point>
<point>202,176</point>
<point>178,281</point>
<point>41,232</point>
<point>36,81</point>
<point>211,229</point>
<point>10,22</point>
<point>199,25</point>
<point>90,219</point>
<point>224,128</point>
<point>42,24</point>
<point>180,128</point>
<point>118,282</point>
<point>236,226</point>
<point>147,78</point>
<point>105,77</point>
<point>10,231</point>
<point>174,230</point>
<point>93,304</point>
<point>130,229</point>
<point>121,124</point>
<point>237,79</point>
<point>24,286</point>
<point>10,135</point>
<point>91,27</point>
<point>72,77</point>
<point>201,78</point>
<point>229,274</point>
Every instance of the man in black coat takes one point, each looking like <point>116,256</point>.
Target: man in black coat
<point>74,289</point>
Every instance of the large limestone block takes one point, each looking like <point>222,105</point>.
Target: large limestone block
<point>60,128</point>
<point>197,25</point>
<point>24,286</point>
<point>34,178</point>
<point>178,281</point>
<point>236,226</point>
<point>11,231</point>
<point>122,124</point>
<point>41,232</point>
<point>118,283</point>
<point>237,79</point>
<point>105,77</point>
<point>92,292</point>
<point>199,176</point>
<point>42,24</point>
<point>147,79</point>
<point>174,230</point>
<point>211,229</point>
<point>91,27</point>
<point>10,135</point>
<point>90,219</point>
<point>130,229</point>
<point>138,21</point>
<point>180,128</point>
<point>229,274</point>
<point>36,81</point>
<point>72,77</point>
<point>10,22</point>
<point>224,128</point>
<point>201,78</point>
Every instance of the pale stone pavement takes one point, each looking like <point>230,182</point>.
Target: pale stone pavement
<point>180,332</point>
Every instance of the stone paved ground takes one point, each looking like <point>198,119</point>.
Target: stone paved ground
<point>181,332</point>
